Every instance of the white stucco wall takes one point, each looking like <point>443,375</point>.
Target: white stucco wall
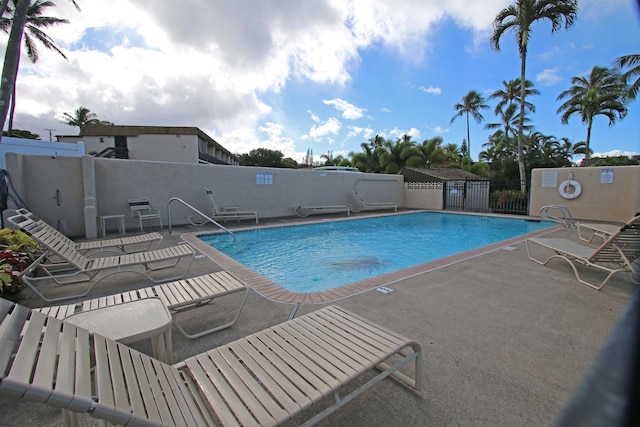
<point>608,193</point>
<point>108,184</point>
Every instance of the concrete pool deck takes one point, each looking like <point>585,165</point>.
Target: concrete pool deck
<point>505,341</point>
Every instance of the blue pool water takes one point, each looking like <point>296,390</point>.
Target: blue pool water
<point>321,256</point>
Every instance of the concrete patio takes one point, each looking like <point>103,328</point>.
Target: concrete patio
<point>505,341</point>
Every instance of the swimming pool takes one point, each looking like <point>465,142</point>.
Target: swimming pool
<point>321,256</point>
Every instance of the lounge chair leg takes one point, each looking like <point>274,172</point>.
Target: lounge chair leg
<point>216,329</point>
<point>294,310</point>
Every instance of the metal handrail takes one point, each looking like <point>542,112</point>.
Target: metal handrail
<point>211,220</point>
<point>565,218</point>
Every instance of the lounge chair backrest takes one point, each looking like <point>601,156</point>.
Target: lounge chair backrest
<point>214,207</point>
<point>25,217</point>
<point>624,244</point>
<point>60,246</point>
<point>138,205</point>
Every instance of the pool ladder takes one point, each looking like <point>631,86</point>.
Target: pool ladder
<point>205,216</point>
<point>558,214</point>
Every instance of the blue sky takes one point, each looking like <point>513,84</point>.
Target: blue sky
<point>320,75</point>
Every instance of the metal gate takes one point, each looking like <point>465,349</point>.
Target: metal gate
<point>467,195</point>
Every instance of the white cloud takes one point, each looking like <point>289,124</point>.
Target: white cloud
<point>348,110</point>
<point>399,133</point>
<point>549,77</point>
<point>331,126</point>
<point>431,90</point>
<point>439,129</point>
<point>385,110</point>
<point>616,153</point>
<point>314,117</point>
<point>355,131</point>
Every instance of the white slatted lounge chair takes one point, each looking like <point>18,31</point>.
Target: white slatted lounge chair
<point>615,255</point>
<point>602,230</point>
<point>305,211</point>
<point>364,204</point>
<point>587,231</point>
<point>77,268</point>
<point>593,230</point>
<point>131,244</point>
<point>178,296</point>
<point>141,209</point>
<point>262,379</point>
<point>224,214</point>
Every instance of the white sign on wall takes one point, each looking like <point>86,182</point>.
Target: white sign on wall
<point>606,176</point>
<point>549,179</point>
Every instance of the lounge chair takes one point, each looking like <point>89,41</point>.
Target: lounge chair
<point>364,204</point>
<point>131,244</point>
<point>224,214</point>
<point>305,211</point>
<point>602,230</point>
<point>587,231</point>
<point>178,296</point>
<point>76,267</point>
<point>141,209</point>
<point>615,255</point>
<point>262,379</point>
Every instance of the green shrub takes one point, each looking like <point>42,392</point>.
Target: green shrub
<point>17,252</point>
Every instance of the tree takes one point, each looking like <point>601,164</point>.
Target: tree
<point>369,159</point>
<point>397,153</point>
<point>432,151</point>
<point>262,157</point>
<point>511,93</point>
<point>520,18</point>
<point>509,121</point>
<point>603,92</point>
<point>20,133</point>
<point>632,61</point>
<point>81,116</point>
<point>472,103</point>
<point>32,33</point>
<point>11,57</point>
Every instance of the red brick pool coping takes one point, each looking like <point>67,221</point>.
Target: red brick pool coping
<point>275,292</point>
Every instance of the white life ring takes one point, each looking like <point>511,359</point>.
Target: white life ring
<point>577,189</point>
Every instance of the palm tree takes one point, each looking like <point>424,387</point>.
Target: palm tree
<point>509,121</point>
<point>11,56</point>
<point>632,61</point>
<point>369,159</point>
<point>397,153</point>
<point>511,93</point>
<point>82,116</point>
<point>431,151</point>
<point>32,34</point>
<point>519,18</point>
<point>472,103</point>
<point>602,93</point>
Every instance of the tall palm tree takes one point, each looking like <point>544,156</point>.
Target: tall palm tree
<point>511,93</point>
<point>33,33</point>
<point>472,103</point>
<point>603,92</point>
<point>632,61</point>
<point>519,18</point>
<point>80,117</point>
<point>11,56</point>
